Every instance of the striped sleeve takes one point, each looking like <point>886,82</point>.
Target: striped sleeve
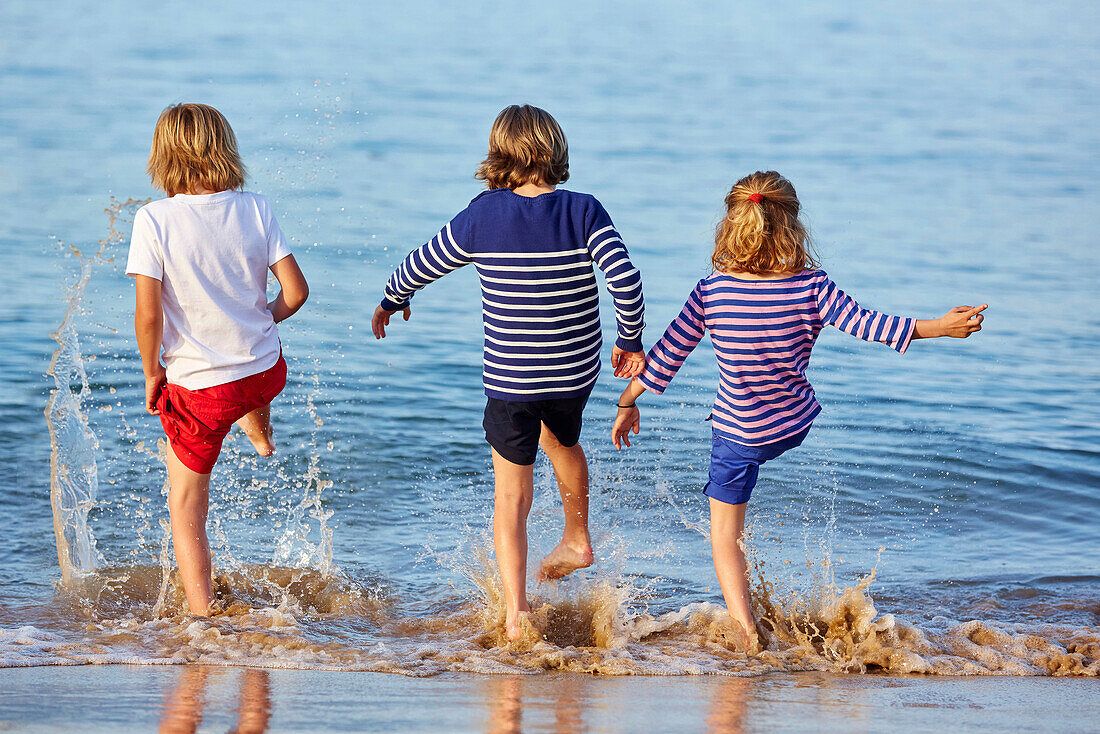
<point>624,282</point>
<point>444,253</point>
<point>679,340</point>
<point>839,309</point>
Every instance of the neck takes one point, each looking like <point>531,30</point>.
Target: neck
<point>533,189</point>
<point>199,190</point>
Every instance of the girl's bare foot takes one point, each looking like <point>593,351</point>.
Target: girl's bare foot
<point>564,560</point>
<point>257,426</point>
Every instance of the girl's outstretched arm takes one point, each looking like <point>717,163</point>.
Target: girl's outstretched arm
<point>960,322</point>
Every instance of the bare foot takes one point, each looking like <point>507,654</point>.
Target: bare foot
<point>516,626</point>
<point>257,427</point>
<point>564,560</point>
<point>744,638</point>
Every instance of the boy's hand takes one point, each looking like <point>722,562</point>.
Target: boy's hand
<point>626,420</point>
<point>962,321</point>
<point>627,365</point>
<point>381,320</point>
<point>154,383</point>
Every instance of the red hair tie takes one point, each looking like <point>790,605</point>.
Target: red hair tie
<point>757,198</point>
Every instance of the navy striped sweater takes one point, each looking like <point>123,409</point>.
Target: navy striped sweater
<point>540,300</point>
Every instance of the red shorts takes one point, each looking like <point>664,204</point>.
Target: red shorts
<point>197,421</point>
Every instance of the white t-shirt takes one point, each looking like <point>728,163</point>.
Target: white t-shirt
<point>211,253</point>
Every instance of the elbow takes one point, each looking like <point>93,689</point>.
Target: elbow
<point>301,297</point>
<point>146,323</point>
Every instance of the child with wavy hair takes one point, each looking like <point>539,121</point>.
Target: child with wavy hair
<point>535,247</point>
<point>764,306</point>
<point>199,259</point>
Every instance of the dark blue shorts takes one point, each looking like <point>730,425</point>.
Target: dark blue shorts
<point>513,427</point>
<point>734,466</point>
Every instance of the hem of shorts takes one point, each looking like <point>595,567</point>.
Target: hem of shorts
<point>513,461</point>
<point>776,439</point>
<point>742,497</point>
<point>185,459</point>
<point>533,397</point>
<point>224,378</point>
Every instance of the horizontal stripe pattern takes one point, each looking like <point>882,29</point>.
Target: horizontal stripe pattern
<point>539,295</point>
<point>763,332</point>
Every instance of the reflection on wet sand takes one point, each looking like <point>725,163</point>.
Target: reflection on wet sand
<point>184,705</point>
<point>508,697</point>
<point>728,707</point>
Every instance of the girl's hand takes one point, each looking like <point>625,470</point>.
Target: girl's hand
<point>154,383</point>
<point>381,320</point>
<point>626,419</point>
<point>627,365</point>
<point>962,321</point>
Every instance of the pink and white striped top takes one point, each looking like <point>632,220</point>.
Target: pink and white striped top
<point>763,332</point>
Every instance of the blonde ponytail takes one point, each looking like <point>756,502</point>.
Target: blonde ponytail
<point>761,232</point>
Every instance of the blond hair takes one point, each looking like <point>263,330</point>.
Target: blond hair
<point>761,232</point>
<point>193,147</point>
<point>526,145</point>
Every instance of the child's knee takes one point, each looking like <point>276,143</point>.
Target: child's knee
<point>187,499</point>
<point>513,499</point>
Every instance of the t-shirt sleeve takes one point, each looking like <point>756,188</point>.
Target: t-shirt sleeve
<point>277,247</point>
<point>146,256</point>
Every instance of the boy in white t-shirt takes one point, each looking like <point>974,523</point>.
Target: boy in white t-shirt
<point>199,259</point>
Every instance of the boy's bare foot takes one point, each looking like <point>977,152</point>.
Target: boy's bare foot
<point>257,427</point>
<point>564,560</point>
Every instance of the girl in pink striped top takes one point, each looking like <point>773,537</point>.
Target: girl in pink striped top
<point>764,306</point>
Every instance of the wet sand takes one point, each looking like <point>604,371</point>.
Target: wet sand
<point>189,698</point>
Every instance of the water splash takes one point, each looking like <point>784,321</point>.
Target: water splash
<point>74,475</point>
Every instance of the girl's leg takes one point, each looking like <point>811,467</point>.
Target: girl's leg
<point>515,489</point>
<point>727,523</point>
<point>257,426</point>
<point>571,469</point>
<point>188,501</point>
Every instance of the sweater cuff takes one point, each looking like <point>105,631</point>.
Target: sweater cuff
<point>629,345</point>
<point>389,305</point>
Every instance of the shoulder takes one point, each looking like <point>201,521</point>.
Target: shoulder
<point>487,197</point>
<point>582,200</point>
<point>252,198</point>
<point>155,210</point>
<point>815,277</point>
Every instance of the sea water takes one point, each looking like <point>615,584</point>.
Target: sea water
<point>941,518</point>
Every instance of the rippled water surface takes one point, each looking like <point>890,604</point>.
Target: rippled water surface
<point>942,517</point>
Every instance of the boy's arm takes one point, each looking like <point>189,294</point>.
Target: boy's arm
<point>624,283</point>
<point>293,289</point>
<point>149,329</point>
<point>426,264</point>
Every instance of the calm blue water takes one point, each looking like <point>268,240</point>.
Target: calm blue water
<point>944,155</point>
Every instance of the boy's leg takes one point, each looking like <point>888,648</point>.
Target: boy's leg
<point>727,524</point>
<point>571,470</point>
<point>257,426</point>
<point>188,501</point>
<point>515,489</point>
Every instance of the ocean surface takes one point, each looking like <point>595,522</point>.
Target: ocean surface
<point>943,517</point>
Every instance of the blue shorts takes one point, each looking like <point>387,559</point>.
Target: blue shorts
<point>734,466</point>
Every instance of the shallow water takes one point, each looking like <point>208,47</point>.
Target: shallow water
<point>944,155</point>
